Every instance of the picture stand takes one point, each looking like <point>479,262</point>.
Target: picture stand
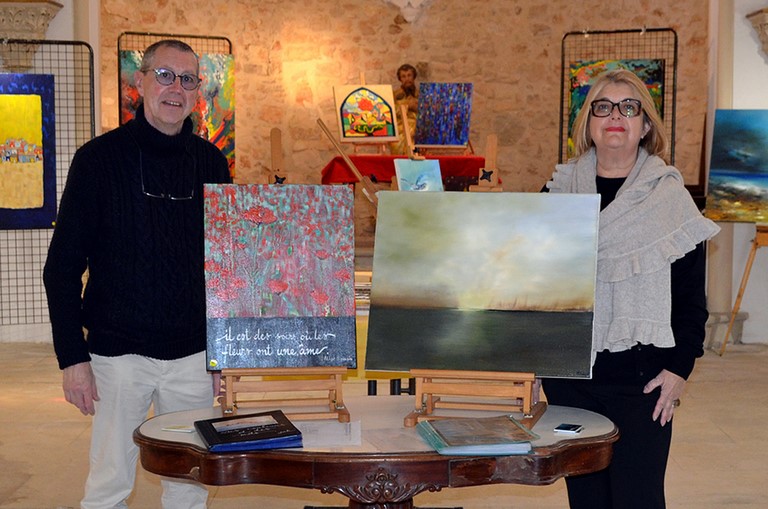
<point>488,177</point>
<point>760,240</point>
<point>278,162</point>
<point>474,390</point>
<point>369,190</point>
<point>287,387</point>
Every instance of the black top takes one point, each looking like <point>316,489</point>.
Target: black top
<point>145,291</point>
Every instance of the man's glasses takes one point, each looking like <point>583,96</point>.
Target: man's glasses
<point>627,107</point>
<point>166,77</point>
<point>166,196</point>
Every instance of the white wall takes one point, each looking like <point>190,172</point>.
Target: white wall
<point>750,91</point>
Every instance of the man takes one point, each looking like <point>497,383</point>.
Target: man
<point>407,95</point>
<point>132,216</point>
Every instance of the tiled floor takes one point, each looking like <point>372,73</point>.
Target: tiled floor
<point>719,454</point>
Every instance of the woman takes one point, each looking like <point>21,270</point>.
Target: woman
<point>650,308</point>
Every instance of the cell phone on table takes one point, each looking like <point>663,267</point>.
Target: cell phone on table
<point>568,428</point>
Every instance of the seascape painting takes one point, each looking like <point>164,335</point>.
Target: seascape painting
<point>365,113</point>
<point>27,151</point>
<point>279,276</point>
<point>443,115</point>
<point>213,117</point>
<point>418,175</point>
<point>484,282</point>
<point>737,190</point>
<point>583,74</point>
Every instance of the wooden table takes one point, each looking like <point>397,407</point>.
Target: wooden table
<point>388,467</point>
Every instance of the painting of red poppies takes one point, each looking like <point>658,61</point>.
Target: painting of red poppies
<point>279,276</point>
<point>366,113</point>
<point>213,117</point>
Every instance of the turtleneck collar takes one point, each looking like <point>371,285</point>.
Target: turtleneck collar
<point>155,141</point>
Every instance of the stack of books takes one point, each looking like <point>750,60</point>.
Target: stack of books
<point>249,432</point>
<point>485,436</point>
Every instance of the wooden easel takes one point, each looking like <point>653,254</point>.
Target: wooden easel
<point>278,162</point>
<point>369,190</point>
<point>478,390</point>
<point>315,386</point>
<point>760,240</point>
<point>488,177</point>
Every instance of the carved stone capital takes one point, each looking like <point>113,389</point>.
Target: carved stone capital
<point>24,19</point>
<point>759,20</point>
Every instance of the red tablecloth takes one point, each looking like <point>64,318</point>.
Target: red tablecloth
<point>381,168</point>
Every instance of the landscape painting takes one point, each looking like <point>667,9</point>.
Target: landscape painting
<point>443,115</point>
<point>213,117</point>
<point>418,175</point>
<point>738,170</point>
<point>484,282</point>
<point>27,151</point>
<point>366,113</point>
<point>279,276</point>
<point>583,74</point>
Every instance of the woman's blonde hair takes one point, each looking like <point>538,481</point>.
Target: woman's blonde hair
<point>655,141</point>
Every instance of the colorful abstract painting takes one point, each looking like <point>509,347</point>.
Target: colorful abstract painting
<point>484,282</point>
<point>738,169</point>
<point>418,175</point>
<point>366,113</point>
<point>279,275</point>
<point>213,117</point>
<point>444,114</point>
<point>583,74</point>
<point>27,151</point>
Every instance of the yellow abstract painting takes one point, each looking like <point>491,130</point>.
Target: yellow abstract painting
<point>21,152</point>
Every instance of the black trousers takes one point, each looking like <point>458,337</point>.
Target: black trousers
<point>635,477</point>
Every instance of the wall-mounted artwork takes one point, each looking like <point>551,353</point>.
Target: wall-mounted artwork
<point>485,282</point>
<point>279,275</point>
<point>213,117</point>
<point>418,175</point>
<point>27,151</point>
<point>366,113</point>
<point>583,74</point>
<point>738,169</point>
<point>444,114</point>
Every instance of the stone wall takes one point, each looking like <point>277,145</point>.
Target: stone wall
<point>290,53</point>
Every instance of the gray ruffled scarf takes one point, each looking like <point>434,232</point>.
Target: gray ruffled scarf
<point>652,222</point>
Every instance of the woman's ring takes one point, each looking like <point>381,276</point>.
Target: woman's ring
<point>676,403</point>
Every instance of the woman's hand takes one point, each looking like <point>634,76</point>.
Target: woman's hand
<point>672,387</point>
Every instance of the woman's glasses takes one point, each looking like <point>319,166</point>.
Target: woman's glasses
<point>627,107</point>
<point>166,77</point>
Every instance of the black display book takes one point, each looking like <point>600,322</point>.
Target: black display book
<point>249,432</point>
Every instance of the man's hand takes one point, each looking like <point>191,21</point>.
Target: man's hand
<point>80,387</point>
<point>671,389</point>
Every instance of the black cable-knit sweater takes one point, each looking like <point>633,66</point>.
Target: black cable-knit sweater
<point>145,290</point>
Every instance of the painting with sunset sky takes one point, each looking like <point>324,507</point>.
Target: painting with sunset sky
<point>484,282</point>
<point>279,276</point>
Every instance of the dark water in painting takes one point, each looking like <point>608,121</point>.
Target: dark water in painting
<point>546,343</point>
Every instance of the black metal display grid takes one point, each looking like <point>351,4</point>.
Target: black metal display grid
<point>651,43</point>
<point>139,41</point>
<point>23,252</point>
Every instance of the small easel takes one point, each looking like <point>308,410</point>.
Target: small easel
<point>481,390</point>
<point>315,386</point>
<point>278,162</point>
<point>488,177</point>
<point>760,240</point>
